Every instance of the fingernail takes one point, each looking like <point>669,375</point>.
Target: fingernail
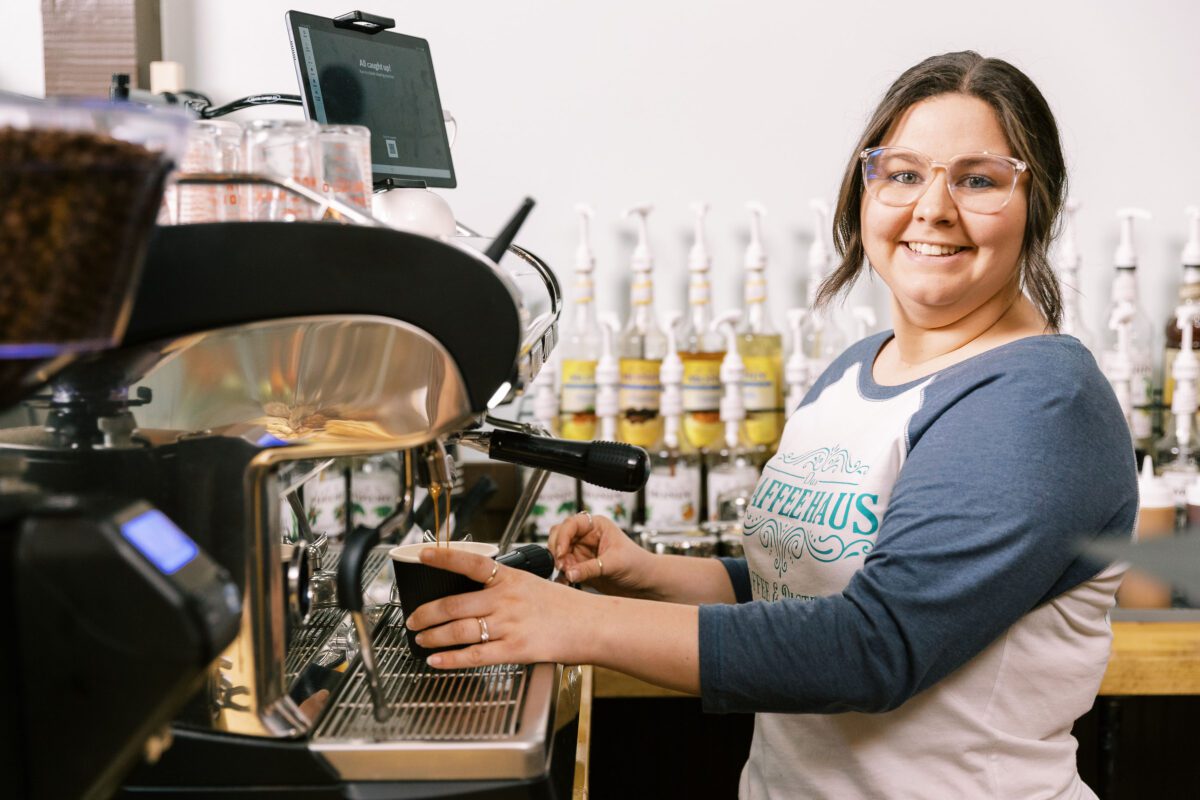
<point>434,660</point>
<point>572,575</point>
<point>420,637</point>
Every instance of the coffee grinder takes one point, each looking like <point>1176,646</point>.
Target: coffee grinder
<point>114,613</point>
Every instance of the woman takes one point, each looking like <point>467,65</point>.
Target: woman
<point>911,618</point>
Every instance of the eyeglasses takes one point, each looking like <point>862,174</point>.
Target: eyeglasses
<point>982,183</point>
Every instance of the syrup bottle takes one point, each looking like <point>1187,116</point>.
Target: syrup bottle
<point>581,345</point>
<point>701,351</point>
<point>760,347</point>
<point>641,349</point>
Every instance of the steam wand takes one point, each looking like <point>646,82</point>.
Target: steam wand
<point>503,239</point>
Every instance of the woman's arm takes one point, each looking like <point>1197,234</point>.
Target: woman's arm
<point>593,550</point>
<point>531,620</point>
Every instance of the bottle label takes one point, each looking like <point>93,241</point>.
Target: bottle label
<point>584,291</point>
<point>701,383</point>
<point>761,387</point>
<point>373,497</point>
<point>756,290</point>
<point>617,506</point>
<point>639,422</point>
<point>699,292</point>
<point>726,480</point>
<point>641,293</point>
<point>555,503</point>
<point>673,496</point>
<point>325,503</point>
<point>578,387</point>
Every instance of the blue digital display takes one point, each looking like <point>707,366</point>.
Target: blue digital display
<point>270,440</point>
<point>160,540</point>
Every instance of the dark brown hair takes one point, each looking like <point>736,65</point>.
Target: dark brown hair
<point>1032,133</point>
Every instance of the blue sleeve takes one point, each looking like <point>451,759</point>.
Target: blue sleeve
<point>739,576</point>
<point>982,527</point>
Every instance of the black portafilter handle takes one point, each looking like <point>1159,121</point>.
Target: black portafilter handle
<point>620,467</point>
<point>359,543</point>
<point>529,557</point>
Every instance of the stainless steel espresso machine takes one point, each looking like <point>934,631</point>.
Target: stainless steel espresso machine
<point>256,352</point>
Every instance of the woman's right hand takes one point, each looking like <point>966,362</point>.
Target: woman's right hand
<point>593,550</point>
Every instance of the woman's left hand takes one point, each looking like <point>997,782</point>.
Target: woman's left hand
<point>528,619</point>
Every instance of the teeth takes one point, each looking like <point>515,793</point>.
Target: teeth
<point>933,249</point>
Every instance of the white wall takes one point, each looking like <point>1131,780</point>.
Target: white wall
<point>21,69</point>
<point>677,100</point>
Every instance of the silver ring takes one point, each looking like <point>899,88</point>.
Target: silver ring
<point>492,577</point>
<point>588,514</point>
<point>483,631</point>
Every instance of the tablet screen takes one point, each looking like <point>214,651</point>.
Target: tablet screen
<point>384,81</point>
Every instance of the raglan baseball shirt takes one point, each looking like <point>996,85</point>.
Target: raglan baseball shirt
<point>914,617</point>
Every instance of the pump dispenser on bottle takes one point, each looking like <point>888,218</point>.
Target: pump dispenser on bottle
<point>641,348</point>
<point>795,372</point>
<point>1069,264</point>
<point>1156,519</point>
<point>617,506</point>
<point>1118,366</point>
<point>1189,292</point>
<point>760,347</point>
<point>824,339</point>
<point>581,344</point>
<point>1140,331</point>
<point>1177,453</point>
<point>557,499</point>
<point>732,471</point>
<point>672,493</point>
<point>701,350</point>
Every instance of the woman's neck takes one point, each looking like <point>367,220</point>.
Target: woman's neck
<point>923,348</point>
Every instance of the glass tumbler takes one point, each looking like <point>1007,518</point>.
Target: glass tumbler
<point>213,146</point>
<point>346,164</point>
<point>282,149</point>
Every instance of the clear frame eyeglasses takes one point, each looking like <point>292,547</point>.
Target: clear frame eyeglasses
<point>981,183</point>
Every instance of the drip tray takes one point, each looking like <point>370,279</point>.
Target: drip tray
<point>472,724</point>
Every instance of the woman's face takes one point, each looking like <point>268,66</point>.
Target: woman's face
<point>935,291</point>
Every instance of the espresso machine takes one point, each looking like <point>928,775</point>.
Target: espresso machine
<point>113,612</point>
<point>255,353</point>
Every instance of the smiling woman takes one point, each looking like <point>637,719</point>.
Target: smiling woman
<point>912,617</point>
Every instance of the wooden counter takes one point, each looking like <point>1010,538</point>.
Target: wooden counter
<point>1148,658</point>
<point>1153,658</point>
<point>579,789</point>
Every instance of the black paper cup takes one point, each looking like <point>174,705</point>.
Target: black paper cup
<point>420,583</point>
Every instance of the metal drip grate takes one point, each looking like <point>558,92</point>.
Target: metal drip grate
<point>308,639</point>
<point>429,705</point>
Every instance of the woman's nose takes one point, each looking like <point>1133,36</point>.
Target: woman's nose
<point>936,206</point>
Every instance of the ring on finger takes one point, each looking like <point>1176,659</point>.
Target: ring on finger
<point>601,565</point>
<point>483,629</point>
<point>492,577</point>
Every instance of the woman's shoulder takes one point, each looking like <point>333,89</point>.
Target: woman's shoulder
<point>1050,364</point>
<point>1046,385</point>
